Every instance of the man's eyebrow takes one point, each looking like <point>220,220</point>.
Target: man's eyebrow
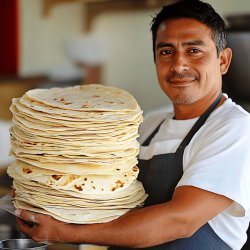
<point>162,45</point>
<point>188,43</point>
<point>194,42</point>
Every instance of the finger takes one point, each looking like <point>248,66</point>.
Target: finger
<point>27,216</point>
<point>13,193</point>
<point>24,227</point>
<point>24,223</point>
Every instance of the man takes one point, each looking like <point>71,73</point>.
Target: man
<point>194,162</point>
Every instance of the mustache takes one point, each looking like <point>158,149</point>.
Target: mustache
<point>186,75</point>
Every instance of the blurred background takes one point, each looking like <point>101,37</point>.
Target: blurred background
<point>47,43</point>
<point>65,42</point>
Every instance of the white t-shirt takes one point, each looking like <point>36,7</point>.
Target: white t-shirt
<point>217,160</point>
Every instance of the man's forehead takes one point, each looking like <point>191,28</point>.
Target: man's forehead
<point>185,27</point>
<point>183,22</point>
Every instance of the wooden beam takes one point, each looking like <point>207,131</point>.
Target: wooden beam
<point>49,4</point>
<point>95,8</point>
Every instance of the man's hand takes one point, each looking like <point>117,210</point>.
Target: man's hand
<point>42,228</point>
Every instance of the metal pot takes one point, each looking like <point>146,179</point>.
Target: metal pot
<point>24,244</point>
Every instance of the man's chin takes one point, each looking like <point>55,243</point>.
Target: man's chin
<point>183,100</point>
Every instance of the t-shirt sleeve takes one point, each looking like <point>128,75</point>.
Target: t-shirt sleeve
<point>218,161</point>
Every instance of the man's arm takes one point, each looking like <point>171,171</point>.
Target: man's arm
<point>189,209</point>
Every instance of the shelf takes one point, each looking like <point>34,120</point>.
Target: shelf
<point>95,7</point>
<point>49,4</point>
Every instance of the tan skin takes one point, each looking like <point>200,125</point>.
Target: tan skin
<point>188,67</point>
<point>189,72</point>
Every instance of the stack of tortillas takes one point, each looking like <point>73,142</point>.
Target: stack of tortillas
<point>76,153</point>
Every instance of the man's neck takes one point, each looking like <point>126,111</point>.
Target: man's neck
<point>185,112</point>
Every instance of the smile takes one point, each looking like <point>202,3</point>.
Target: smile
<point>177,82</point>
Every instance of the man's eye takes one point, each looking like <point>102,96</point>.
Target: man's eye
<point>194,51</point>
<point>165,52</point>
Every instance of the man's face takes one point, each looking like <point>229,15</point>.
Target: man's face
<point>188,66</point>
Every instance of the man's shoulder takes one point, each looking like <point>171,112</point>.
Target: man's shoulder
<point>229,119</point>
<point>159,113</point>
<point>231,111</point>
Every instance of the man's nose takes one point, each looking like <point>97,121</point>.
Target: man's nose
<point>179,63</point>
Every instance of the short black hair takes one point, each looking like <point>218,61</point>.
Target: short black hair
<point>198,10</point>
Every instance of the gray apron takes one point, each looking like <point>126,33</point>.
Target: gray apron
<point>160,176</point>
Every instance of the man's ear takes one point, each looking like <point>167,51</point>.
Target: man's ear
<point>225,60</point>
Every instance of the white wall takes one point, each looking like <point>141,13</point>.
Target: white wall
<point>43,39</point>
<point>129,62</point>
<point>227,7</point>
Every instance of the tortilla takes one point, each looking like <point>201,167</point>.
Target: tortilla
<point>76,153</point>
<point>91,97</point>
<point>86,184</point>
